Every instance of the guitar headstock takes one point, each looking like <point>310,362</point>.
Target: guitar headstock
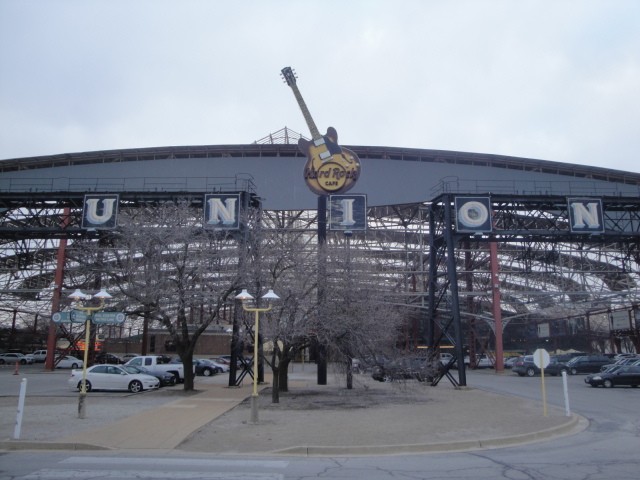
<point>289,75</point>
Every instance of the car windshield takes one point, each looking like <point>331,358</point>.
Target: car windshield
<point>574,360</point>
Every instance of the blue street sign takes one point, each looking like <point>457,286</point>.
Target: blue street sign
<point>108,318</point>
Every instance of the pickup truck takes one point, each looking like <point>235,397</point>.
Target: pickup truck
<point>159,363</point>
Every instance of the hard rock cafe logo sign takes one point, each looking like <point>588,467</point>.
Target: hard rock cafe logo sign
<point>330,168</point>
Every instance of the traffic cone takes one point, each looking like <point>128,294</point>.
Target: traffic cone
<point>17,370</point>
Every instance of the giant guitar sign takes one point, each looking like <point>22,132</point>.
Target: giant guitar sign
<point>330,168</point>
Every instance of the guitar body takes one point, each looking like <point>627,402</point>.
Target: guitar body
<point>330,168</point>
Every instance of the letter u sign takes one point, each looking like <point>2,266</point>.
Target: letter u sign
<point>100,211</point>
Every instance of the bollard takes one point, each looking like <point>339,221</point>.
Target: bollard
<point>23,393</point>
<point>17,370</point>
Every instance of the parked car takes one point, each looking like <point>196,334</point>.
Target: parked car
<point>166,379</point>
<point>626,355</point>
<point>206,367</point>
<point>620,361</point>
<point>510,362</point>
<point>14,358</point>
<point>128,356</point>
<point>110,358</point>
<point>69,362</point>
<point>225,367</point>
<point>159,362</point>
<point>39,356</point>
<point>587,364</point>
<point>483,361</point>
<point>526,366</point>
<point>226,360</point>
<point>404,368</point>
<point>625,375</point>
<point>113,377</point>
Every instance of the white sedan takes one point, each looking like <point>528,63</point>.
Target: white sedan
<point>69,362</point>
<point>13,358</point>
<point>113,377</point>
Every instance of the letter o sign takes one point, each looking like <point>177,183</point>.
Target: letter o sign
<point>473,214</point>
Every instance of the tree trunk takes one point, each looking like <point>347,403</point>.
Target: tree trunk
<point>349,373</point>
<point>275,391</point>
<point>283,380</point>
<point>189,380</point>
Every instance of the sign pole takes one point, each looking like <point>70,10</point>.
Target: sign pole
<point>541,359</point>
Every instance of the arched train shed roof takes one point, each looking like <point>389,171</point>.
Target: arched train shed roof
<point>390,175</point>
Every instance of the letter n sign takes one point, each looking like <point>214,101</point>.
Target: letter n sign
<point>585,215</point>
<point>347,212</point>
<point>222,210</point>
<point>473,214</point>
<point>100,212</point>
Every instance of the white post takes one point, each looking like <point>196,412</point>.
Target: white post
<point>567,410</point>
<point>23,393</point>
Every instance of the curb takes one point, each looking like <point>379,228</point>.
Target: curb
<point>576,424</point>
<point>11,445</point>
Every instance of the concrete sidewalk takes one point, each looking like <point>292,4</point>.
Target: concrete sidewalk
<point>409,418</point>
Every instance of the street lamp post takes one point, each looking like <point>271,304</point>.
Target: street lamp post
<point>79,298</point>
<point>245,296</point>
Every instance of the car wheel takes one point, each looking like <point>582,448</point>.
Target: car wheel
<point>607,383</point>
<point>23,362</point>
<point>530,372</point>
<point>573,371</point>
<point>387,378</point>
<point>634,386</point>
<point>1,361</point>
<point>172,382</point>
<point>135,386</point>
<point>207,372</point>
<point>87,385</point>
<point>74,365</point>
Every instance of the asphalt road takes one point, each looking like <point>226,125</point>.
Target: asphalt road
<point>606,450</point>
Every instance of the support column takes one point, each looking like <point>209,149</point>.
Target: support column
<point>57,291</point>
<point>453,289</point>
<point>497,311</point>
<point>321,349</point>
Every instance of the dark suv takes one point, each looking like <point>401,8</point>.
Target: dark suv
<point>587,364</point>
<point>104,357</point>
<point>525,366</point>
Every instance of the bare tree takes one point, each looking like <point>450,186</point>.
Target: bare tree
<point>166,264</point>
<point>283,257</point>
<point>358,321</point>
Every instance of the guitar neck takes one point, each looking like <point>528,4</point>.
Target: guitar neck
<point>315,134</point>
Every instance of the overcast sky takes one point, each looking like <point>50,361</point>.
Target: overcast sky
<point>548,79</point>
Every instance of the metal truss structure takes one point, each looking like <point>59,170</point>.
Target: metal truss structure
<point>36,230</point>
<point>551,279</point>
<point>554,284</point>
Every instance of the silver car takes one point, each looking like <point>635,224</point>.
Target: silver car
<point>113,377</point>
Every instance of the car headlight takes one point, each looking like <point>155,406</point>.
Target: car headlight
<point>596,377</point>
